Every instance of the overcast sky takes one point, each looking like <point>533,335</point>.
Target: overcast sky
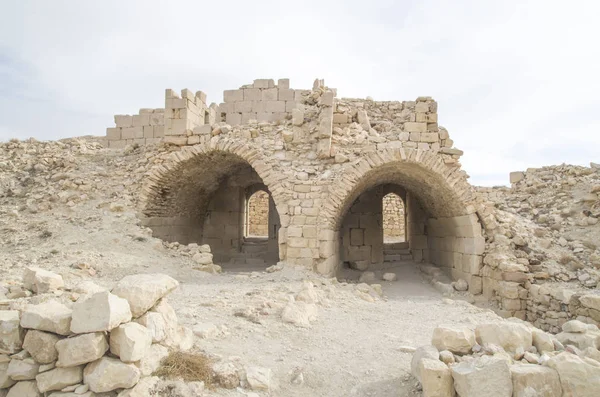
<point>517,82</point>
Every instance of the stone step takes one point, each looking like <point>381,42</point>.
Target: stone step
<point>396,252</point>
<point>396,246</point>
<point>397,258</point>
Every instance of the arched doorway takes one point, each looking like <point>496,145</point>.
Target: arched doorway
<point>203,198</point>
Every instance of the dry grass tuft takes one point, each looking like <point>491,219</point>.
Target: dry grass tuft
<point>566,259</point>
<point>190,367</point>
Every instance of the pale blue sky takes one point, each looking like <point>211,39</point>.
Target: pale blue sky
<point>517,81</point>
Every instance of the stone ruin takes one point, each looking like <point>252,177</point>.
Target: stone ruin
<point>326,164</point>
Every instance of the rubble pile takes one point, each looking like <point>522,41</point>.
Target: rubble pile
<point>510,358</point>
<point>104,341</point>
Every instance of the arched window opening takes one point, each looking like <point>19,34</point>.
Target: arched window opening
<point>257,215</point>
<point>394,220</point>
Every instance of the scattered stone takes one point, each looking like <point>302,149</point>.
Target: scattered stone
<point>142,291</point>
<point>205,330</point>
<point>25,369</point>
<point>41,281</point>
<point>542,380</point>
<point>423,352</point>
<point>24,389</point>
<point>81,349</point>
<point>389,277</point>
<point>226,375</point>
<point>577,376</point>
<point>107,374</point>
<point>101,311</point>
<point>259,378</point>
<point>367,277</point>
<point>508,335</point>
<point>130,342</point>
<point>155,323</point>
<point>574,326</point>
<point>542,341</point>
<point>51,316</point>
<point>456,340</point>
<point>151,362</point>
<point>447,357</point>
<point>144,388</point>
<point>461,285</point>
<point>5,380</point>
<point>300,314</point>
<point>483,377</point>
<point>436,378</point>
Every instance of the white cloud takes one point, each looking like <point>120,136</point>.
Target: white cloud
<point>516,81</point>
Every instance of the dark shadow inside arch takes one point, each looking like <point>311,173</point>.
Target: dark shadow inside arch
<point>204,200</point>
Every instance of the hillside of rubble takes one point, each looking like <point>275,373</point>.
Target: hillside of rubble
<point>70,207</point>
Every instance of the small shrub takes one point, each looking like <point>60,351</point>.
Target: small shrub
<point>190,367</point>
<point>566,259</point>
<point>46,234</point>
<point>54,251</point>
<point>140,239</point>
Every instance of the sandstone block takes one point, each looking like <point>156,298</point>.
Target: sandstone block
<point>107,374</point>
<point>142,291</point>
<point>41,346</point>
<point>59,378</point>
<point>543,380</point>
<point>25,369</point>
<point>577,377</point>
<point>51,316</point>
<point>483,377</point>
<point>130,342</point>
<point>24,389</point>
<point>101,311</point>
<point>11,334</point>
<point>423,352</point>
<point>81,349</point>
<point>457,340</point>
<point>436,379</point>
<point>415,127</point>
<point>508,335</point>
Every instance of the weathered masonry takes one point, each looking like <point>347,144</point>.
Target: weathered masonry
<point>327,164</point>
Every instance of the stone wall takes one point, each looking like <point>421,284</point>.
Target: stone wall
<point>394,221</point>
<point>146,127</point>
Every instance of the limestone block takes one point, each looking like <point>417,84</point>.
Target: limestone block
<point>41,346</point>
<point>142,291</point>
<point>243,106</point>
<point>51,316</point>
<point>123,120</point>
<point>11,334</point>
<point>263,83</point>
<point>59,378</point>
<point>5,380</point>
<point>291,105</point>
<point>436,379</point>
<point>580,340</point>
<point>155,323</point>
<point>107,374</point>
<point>285,94</point>
<point>41,281</point>
<point>458,340</point>
<point>81,349</point>
<point>415,127</point>
<point>130,342</point>
<point>233,118</point>
<point>24,389</point>
<point>486,376</point>
<point>422,353</point>
<point>151,361</point>
<point>25,369</point>
<point>577,376</point>
<point>252,94</point>
<point>269,94</point>
<point>543,380</point>
<point>128,133</point>
<point>144,388</point>
<point>283,83</point>
<point>574,326</point>
<point>274,106</point>
<point>259,378</point>
<point>430,137</point>
<point>101,311</point>
<point>516,177</point>
<point>542,341</point>
<point>113,134</point>
<point>233,95</point>
<point>148,131</point>
<point>590,301</point>
<point>171,323</point>
<point>510,336</point>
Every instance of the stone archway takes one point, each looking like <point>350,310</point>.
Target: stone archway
<point>447,232</point>
<point>198,196</point>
